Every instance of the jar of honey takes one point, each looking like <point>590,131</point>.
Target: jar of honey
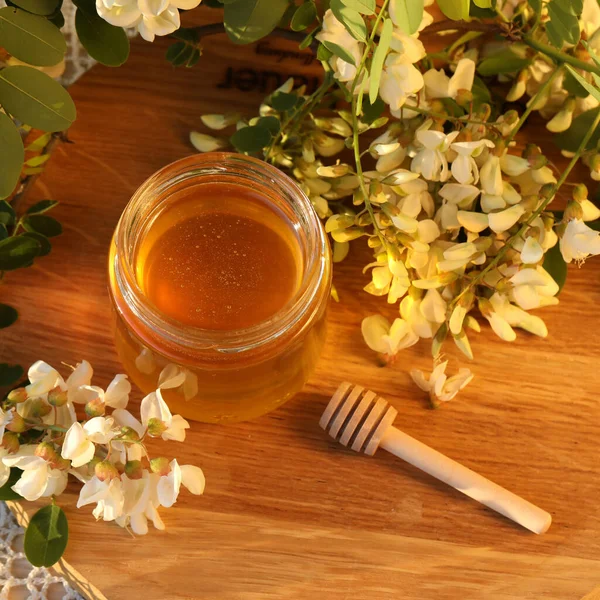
<point>220,274</point>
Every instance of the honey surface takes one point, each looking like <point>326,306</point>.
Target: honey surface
<point>219,258</point>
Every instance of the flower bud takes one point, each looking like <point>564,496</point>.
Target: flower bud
<point>464,98</point>
<point>537,161</point>
<point>10,442</point>
<point>573,211</point>
<point>511,117</point>
<point>485,110</point>
<point>39,408</point>
<point>530,151</point>
<point>17,423</point>
<point>129,434</point>
<point>60,463</point>
<point>134,469</point>
<point>47,451</point>
<point>105,471</point>
<point>519,87</point>
<point>160,466</point>
<point>580,192</point>
<point>17,395</point>
<point>485,307</point>
<point>595,163</point>
<point>95,407</point>
<point>156,427</point>
<point>57,397</point>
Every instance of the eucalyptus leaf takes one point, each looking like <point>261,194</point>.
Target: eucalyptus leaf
<point>36,99</point>
<point>7,214</point>
<point>556,266</point>
<point>283,101</point>
<point>379,57</point>
<point>43,224</point>
<point>408,14</point>
<point>42,240</point>
<point>457,10</point>
<point>17,252</point>
<point>104,42</point>
<point>351,19</point>
<point>364,7</point>
<point>247,21</point>
<point>251,139</point>
<point>340,52</point>
<point>8,315</point>
<point>46,536</point>
<point>502,62</point>
<point>38,7</point>
<point>12,154</point>
<point>41,207</point>
<point>31,38</point>
<point>571,138</point>
<point>305,14</point>
<point>9,374</point>
<point>6,491</point>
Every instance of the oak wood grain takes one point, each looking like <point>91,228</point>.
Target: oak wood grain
<point>287,512</point>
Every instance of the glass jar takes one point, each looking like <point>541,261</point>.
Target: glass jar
<point>220,375</point>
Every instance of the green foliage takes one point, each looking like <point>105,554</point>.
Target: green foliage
<point>571,138</point>
<point>46,536</point>
<point>593,90</point>
<point>9,374</point>
<point>272,124</point>
<point>41,207</point>
<point>17,252</point>
<point>247,21</point>
<point>31,38</point>
<point>8,315</point>
<point>483,3</point>
<point>351,19</point>
<point>409,14</point>
<point>379,58</point>
<point>45,246</point>
<point>281,101</point>
<point>556,266</point>
<point>304,15</point>
<point>38,7</point>
<point>563,26</point>
<point>6,493</point>
<point>42,224</point>
<point>505,61</point>
<point>7,214</point>
<point>571,85</point>
<point>104,42</point>
<point>481,93</point>
<point>36,99</point>
<point>364,7</point>
<point>183,54</point>
<point>457,10</point>
<point>11,155</point>
<point>372,110</point>
<point>251,139</point>
<point>340,52</point>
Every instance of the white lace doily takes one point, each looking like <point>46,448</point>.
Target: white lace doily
<point>20,580</point>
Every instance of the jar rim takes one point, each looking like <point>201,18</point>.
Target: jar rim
<point>297,310</point>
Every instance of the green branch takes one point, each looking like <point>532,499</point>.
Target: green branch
<point>560,57</point>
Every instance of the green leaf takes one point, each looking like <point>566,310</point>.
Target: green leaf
<point>247,21</point>
<point>251,139</point>
<point>31,38</point>
<point>12,154</point>
<point>38,7</point>
<point>483,3</point>
<point>270,123</point>
<point>372,110</point>
<point>379,57</point>
<point>39,143</point>
<point>8,315</point>
<point>104,42</point>
<point>16,252</point>
<point>46,536</point>
<point>481,93</point>
<point>307,41</point>
<point>364,7</point>
<point>36,99</point>
<point>45,246</point>
<point>562,27</point>
<point>41,207</point>
<point>3,232</point>
<point>571,85</point>
<point>408,14</point>
<point>57,19</point>
<point>503,62</point>
<point>573,7</point>
<point>9,374</point>
<point>536,5</point>
<point>594,91</point>
<point>305,14</point>
<point>323,54</point>
<point>6,493</point>
<point>351,19</point>
<point>43,224</point>
<point>36,161</point>
<point>7,214</point>
<point>556,266</point>
<point>281,101</point>
<point>339,51</point>
<point>571,138</point>
<point>179,53</point>
<point>457,10</point>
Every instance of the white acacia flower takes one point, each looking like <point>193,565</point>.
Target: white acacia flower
<point>439,85</point>
<point>115,396</point>
<point>590,212</point>
<point>501,221</point>
<point>464,167</point>
<point>333,31</point>
<point>533,288</point>
<point>410,311</point>
<point>472,221</point>
<point>409,48</point>
<point>107,495</point>
<point>514,165</point>
<point>5,419</point>
<point>438,385</point>
<point>203,142</point>
<point>154,407</point>
<point>39,479</point>
<point>532,251</point>
<point>491,176</point>
<point>387,339</point>
<point>517,317</point>
<point>389,276</point>
<point>458,256</point>
<point>77,447</point>
<point>431,160</point>
<point>175,377</point>
<point>145,362</point>
<point>399,81</point>
<point>459,194</point>
<point>579,241</point>
<point>43,378</point>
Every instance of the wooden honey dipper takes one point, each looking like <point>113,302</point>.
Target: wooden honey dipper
<point>358,418</point>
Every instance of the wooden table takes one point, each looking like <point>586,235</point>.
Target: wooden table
<point>287,513</point>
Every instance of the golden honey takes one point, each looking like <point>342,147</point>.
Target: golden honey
<point>220,277</point>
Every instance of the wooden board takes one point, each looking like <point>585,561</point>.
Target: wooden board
<point>288,514</point>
